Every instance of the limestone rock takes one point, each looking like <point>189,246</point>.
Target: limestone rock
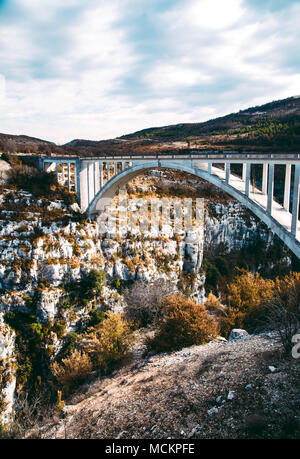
<point>238,334</point>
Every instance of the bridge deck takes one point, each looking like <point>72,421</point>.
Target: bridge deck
<point>215,156</point>
<point>278,212</point>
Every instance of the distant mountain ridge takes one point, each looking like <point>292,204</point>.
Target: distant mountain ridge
<point>273,126</point>
<point>286,110</point>
<point>22,143</point>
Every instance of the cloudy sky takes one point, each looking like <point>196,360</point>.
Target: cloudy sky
<point>97,69</point>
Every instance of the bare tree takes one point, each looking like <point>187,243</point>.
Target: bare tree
<point>144,301</point>
<point>284,317</point>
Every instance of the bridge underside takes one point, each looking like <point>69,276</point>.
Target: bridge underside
<point>279,220</point>
<point>95,194</point>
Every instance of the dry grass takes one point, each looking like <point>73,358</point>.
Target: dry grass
<point>168,395</point>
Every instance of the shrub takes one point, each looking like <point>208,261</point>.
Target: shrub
<point>96,316</point>
<point>59,328</point>
<point>284,309</point>
<point>110,344</point>
<point>213,305</point>
<point>31,179</point>
<point>69,198</point>
<point>144,302</point>
<point>92,284</point>
<point>212,276</point>
<point>248,296</point>
<point>73,370</point>
<point>184,324</point>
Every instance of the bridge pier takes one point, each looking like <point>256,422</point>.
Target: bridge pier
<point>69,177</point>
<point>247,179</point>
<point>295,211</point>
<point>264,186</point>
<point>270,188</point>
<point>244,172</point>
<point>287,187</point>
<point>83,180</point>
<point>101,175</point>
<point>227,173</point>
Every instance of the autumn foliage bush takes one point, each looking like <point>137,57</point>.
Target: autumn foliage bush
<point>213,305</point>
<point>184,324</point>
<point>247,297</point>
<point>109,343</point>
<point>102,349</point>
<point>72,371</point>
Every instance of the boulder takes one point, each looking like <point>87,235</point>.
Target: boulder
<point>238,334</point>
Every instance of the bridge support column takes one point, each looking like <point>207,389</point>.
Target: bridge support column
<point>116,167</point>
<point>209,165</point>
<point>91,182</point>
<point>287,187</point>
<point>227,173</point>
<point>101,175</point>
<point>295,211</point>
<point>69,183</point>
<point>83,180</point>
<point>247,179</point>
<point>270,188</point>
<point>244,172</point>
<point>77,179</point>
<point>96,177</point>
<point>56,171</point>
<point>264,179</point>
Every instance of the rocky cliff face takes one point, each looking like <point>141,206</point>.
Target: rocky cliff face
<point>7,372</point>
<point>233,225</point>
<point>46,246</point>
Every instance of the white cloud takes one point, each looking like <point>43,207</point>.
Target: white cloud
<point>212,14</point>
<point>46,9</point>
<point>213,57</point>
<point>86,74</point>
<point>2,89</point>
<point>168,76</point>
<point>222,41</point>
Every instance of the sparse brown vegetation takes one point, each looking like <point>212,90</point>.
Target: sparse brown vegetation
<point>72,371</point>
<point>184,323</point>
<point>169,395</point>
<point>283,311</point>
<point>109,343</point>
<point>144,302</point>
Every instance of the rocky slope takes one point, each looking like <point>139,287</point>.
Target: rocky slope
<point>47,246</point>
<point>236,389</point>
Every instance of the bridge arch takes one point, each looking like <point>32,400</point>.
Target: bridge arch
<point>109,190</point>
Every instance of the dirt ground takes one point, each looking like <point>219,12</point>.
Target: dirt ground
<point>242,389</point>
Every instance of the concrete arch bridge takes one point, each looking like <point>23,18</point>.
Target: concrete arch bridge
<point>97,180</point>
